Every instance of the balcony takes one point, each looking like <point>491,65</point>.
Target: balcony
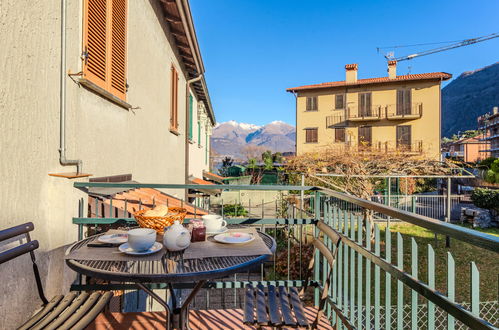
<point>336,121</point>
<point>355,113</point>
<point>373,284</point>
<point>406,112</point>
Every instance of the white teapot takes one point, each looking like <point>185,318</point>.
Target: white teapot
<point>176,237</point>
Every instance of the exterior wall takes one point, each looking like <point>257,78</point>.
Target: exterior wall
<point>199,145</point>
<point>426,128</point>
<point>109,139</point>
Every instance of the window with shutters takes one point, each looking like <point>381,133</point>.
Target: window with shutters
<point>365,136</point>
<point>105,45</point>
<point>365,108</point>
<point>339,101</point>
<point>339,134</point>
<point>312,103</point>
<point>311,135</point>
<point>404,102</point>
<point>404,137</point>
<point>174,100</point>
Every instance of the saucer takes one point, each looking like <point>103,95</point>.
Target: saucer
<point>234,238</point>
<point>113,238</point>
<point>222,230</point>
<point>125,248</point>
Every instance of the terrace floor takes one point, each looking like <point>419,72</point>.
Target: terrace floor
<point>198,320</point>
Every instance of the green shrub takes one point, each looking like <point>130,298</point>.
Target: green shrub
<point>486,198</point>
<point>487,162</point>
<point>235,210</point>
<point>490,176</point>
<point>495,166</point>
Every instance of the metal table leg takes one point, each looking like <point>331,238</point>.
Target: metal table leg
<point>161,302</point>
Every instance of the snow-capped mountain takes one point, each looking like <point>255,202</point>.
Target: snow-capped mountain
<point>230,138</point>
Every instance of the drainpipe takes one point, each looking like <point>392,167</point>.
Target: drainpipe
<point>62,118</point>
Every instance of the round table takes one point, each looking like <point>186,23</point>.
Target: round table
<point>171,268</point>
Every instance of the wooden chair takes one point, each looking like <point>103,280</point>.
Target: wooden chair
<point>73,311</point>
<point>279,307</point>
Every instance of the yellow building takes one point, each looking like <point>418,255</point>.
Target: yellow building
<point>387,113</point>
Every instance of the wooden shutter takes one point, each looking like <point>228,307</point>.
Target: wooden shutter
<point>339,101</point>
<point>95,42</point>
<point>311,135</point>
<point>404,101</point>
<point>105,45</point>
<point>339,134</point>
<point>365,136</point>
<point>118,48</point>
<point>404,137</point>
<point>311,103</point>
<point>174,99</point>
<point>365,105</point>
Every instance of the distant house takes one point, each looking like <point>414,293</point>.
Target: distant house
<point>394,113</point>
<point>489,125</point>
<point>467,150</point>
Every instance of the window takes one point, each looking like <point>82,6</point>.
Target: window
<point>312,103</point>
<point>339,101</point>
<point>174,100</point>
<point>311,135</point>
<point>404,102</point>
<point>365,136</point>
<point>404,137</point>
<point>365,109</point>
<point>105,45</point>
<point>191,101</point>
<point>339,135</point>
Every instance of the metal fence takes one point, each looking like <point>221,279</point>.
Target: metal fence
<point>364,259</point>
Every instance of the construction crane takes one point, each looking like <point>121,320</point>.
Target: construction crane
<point>454,44</point>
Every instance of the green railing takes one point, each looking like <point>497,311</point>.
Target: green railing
<point>375,284</point>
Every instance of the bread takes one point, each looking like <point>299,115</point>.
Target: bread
<point>158,211</point>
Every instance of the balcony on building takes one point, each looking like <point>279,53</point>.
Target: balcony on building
<point>370,113</point>
<point>404,111</point>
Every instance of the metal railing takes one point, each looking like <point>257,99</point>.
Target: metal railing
<point>412,110</point>
<point>375,112</point>
<point>365,270</point>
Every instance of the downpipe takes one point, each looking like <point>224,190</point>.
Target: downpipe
<point>62,106</point>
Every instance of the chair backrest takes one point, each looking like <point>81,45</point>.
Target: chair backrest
<point>21,249</point>
<point>18,250</point>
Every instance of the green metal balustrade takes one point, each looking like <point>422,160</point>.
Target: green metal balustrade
<point>371,288</point>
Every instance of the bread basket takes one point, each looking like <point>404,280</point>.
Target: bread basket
<point>159,223</point>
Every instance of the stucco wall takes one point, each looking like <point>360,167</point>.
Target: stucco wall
<point>109,139</point>
<point>426,128</point>
<point>199,147</point>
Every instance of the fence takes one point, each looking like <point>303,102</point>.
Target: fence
<point>374,281</point>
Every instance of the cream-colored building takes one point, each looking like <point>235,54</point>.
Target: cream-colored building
<point>397,112</point>
<point>81,96</point>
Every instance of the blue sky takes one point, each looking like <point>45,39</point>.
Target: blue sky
<point>254,49</point>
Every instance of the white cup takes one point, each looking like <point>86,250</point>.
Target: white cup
<point>213,222</point>
<point>141,239</point>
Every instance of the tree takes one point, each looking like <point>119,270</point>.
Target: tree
<point>227,162</point>
<point>277,157</point>
<point>252,151</point>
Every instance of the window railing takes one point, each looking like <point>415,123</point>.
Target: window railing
<point>374,112</point>
<point>376,282</point>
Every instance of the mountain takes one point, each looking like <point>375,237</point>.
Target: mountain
<point>468,96</point>
<point>230,138</point>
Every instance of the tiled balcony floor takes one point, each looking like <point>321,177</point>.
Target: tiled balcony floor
<point>199,320</point>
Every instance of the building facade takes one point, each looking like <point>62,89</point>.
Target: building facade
<point>468,150</point>
<point>398,112</point>
<point>489,125</point>
<point>90,89</point>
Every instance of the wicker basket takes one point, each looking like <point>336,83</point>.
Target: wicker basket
<point>159,223</point>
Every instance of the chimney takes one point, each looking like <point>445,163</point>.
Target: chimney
<point>351,71</point>
<point>392,69</point>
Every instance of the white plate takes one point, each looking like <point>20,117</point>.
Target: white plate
<point>113,238</point>
<point>125,248</point>
<point>223,230</point>
<point>234,238</point>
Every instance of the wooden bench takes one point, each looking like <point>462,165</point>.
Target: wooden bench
<point>281,307</point>
<point>72,311</point>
